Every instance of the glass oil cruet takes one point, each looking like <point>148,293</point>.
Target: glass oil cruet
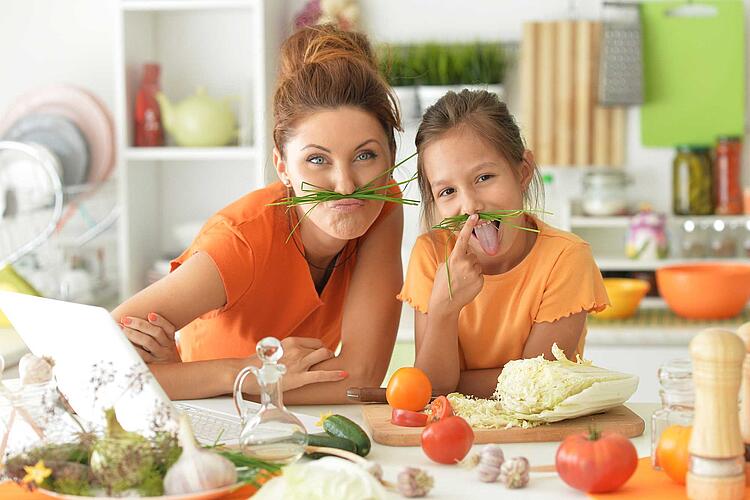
<point>273,434</point>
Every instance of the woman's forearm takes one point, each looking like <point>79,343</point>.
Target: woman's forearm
<point>201,379</point>
<point>437,352</point>
<point>479,383</point>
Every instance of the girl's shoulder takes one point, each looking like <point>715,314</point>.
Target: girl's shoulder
<point>555,244</point>
<point>435,242</point>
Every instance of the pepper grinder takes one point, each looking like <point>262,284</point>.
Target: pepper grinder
<point>744,333</point>
<point>717,452</point>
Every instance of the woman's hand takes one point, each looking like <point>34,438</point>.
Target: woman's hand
<point>300,354</point>
<point>152,338</point>
<point>466,279</point>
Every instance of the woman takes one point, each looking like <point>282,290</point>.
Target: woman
<point>333,282</point>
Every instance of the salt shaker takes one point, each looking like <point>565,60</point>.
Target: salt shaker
<point>744,333</point>
<point>717,452</point>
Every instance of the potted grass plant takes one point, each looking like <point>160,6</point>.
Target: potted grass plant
<point>395,64</point>
<point>441,68</point>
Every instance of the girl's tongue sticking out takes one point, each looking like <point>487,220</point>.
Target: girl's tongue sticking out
<point>488,235</point>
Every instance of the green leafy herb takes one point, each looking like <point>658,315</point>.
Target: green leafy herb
<point>370,191</point>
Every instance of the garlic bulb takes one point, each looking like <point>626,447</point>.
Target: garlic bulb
<point>197,469</point>
<point>414,482</point>
<point>34,370</point>
<point>514,473</point>
<point>490,461</point>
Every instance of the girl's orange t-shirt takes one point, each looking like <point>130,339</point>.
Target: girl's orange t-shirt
<point>267,281</point>
<point>556,279</point>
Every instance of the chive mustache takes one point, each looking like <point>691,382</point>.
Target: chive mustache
<point>370,191</point>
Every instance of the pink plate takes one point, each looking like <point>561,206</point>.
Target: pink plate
<point>204,495</point>
<point>81,107</point>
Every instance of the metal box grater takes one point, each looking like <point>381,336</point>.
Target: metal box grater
<point>620,60</point>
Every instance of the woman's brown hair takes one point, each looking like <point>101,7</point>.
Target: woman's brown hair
<point>488,116</point>
<point>325,67</point>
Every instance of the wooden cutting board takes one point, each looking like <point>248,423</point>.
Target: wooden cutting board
<point>621,419</point>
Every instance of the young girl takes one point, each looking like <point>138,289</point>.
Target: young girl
<point>514,292</point>
<point>243,279</point>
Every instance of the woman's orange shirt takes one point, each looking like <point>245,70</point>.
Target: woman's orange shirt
<point>556,279</point>
<point>267,281</point>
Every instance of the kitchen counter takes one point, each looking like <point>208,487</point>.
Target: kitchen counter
<point>455,481</point>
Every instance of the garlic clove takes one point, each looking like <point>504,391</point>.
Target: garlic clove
<point>34,370</point>
<point>197,469</point>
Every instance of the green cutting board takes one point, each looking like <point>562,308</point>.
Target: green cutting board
<point>694,74</point>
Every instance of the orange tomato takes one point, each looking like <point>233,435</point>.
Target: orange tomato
<point>409,389</point>
<point>672,453</point>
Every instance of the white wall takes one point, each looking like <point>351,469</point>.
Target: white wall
<point>44,42</point>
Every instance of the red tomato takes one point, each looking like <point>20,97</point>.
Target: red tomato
<point>596,463</point>
<point>447,441</point>
<point>409,389</point>
<point>440,408</point>
<point>408,418</point>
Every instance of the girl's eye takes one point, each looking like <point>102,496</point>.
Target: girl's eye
<point>484,177</point>
<point>446,192</point>
<point>316,160</point>
<point>366,155</point>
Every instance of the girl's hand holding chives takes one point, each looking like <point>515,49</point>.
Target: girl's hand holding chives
<point>466,279</point>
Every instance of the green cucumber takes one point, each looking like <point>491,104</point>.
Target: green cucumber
<point>342,427</point>
<point>327,441</point>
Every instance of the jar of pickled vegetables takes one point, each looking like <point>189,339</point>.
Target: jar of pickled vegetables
<point>692,179</point>
<point>727,176</point>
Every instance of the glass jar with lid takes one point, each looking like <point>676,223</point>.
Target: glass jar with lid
<point>723,240</point>
<point>727,176</point>
<point>692,181</point>
<point>604,192</point>
<point>677,400</point>
<point>693,241</point>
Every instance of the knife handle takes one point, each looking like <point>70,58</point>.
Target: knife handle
<point>367,394</point>
<point>371,394</point>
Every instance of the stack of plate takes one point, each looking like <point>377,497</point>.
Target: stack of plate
<point>72,124</point>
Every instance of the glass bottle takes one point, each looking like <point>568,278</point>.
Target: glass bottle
<point>723,242</point>
<point>693,244</point>
<point>677,400</point>
<point>727,173</point>
<point>273,434</point>
<point>692,192</point>
<point>746,241</point>
<point>148,129</point>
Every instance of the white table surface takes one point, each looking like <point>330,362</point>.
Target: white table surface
<point>454,481</point>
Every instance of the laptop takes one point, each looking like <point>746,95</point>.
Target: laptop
<point>96,367</point>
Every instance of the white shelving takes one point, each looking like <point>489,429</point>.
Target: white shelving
<point>165,5</point>
<point>191,154</point>
<point>625,264</point>
<point>622,221</point>
<point>230,47</point>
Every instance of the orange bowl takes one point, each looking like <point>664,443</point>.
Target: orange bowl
<point>705,291</point>
<point>625,294</point>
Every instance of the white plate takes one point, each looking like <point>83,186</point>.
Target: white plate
<point>61,136</point>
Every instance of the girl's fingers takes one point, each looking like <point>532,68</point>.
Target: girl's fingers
<point>315,357</point>
<point>161,322</point>
<point>462,243</point>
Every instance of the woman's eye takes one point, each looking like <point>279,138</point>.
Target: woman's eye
<point>316,160</point>
<point>366,155</point>
<point>446,192</point>
<point>484,177</point>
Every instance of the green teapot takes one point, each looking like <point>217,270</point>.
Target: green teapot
<point>199,120</point>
